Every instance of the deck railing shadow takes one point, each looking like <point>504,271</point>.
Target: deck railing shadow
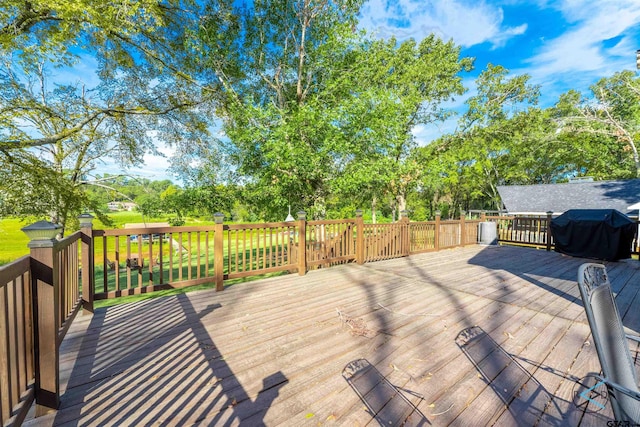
<point>158,362</point>
<point>563,281</point>
<point>490,259</point>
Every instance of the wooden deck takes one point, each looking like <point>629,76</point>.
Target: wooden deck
<point>475,336</point>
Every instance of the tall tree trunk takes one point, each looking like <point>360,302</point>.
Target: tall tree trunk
<point>394,206</point>
<point>401,202</point>
<point>374,202</point>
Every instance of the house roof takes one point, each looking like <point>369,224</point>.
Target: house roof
<point>558,198</point>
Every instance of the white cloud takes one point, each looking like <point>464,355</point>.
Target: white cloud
<point>84,71</point>
<point>155,166</point>
<point>580,49</point>
<point>466,24</point>
<point>425,134</point>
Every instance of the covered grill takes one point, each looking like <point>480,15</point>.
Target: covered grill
<point>604,234</point>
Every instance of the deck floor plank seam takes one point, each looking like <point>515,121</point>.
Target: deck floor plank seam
<point>271,351</point>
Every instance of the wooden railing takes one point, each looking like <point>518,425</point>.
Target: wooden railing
<point>69,290</point>
<point>534,231</point>
<point>253,249</point>
<point>41,295</point>
<point>43,292</point>
<point>330,242</point>
<point>16,342</point>
<point>430,236</point>
<point>135,261</point>
<point>386,241</point>
<point>423,236</point>
<point>531,231</point>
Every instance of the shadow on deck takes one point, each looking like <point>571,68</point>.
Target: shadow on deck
<point>473,336</point>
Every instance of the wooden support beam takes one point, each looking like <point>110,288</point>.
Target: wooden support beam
<point>46,301</point>
<point>359,237</point>
<point>302,243</point>
<point>218,251</point>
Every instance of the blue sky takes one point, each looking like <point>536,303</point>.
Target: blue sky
<point>562,45</point>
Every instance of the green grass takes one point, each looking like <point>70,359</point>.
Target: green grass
<point>13,242</point>
<point>13,245</point>
<point>126,217</point>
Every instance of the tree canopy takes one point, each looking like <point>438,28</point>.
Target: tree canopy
<point>315,111</point>
<point>59,131</point>
<point>271,104</point>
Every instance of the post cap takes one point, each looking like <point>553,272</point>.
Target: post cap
<point>218,217</point>
<point>302,215</point>
<point>41,231</point>
<point>359,213</point>
<point>86,219</point>
<point>404,213</point>
<point>438,213</point>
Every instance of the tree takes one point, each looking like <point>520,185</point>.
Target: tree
<point>53,28</point>
<point>482,152</point>
<point>398,86</point>
<point>143,97</point>
<point>270,59</point>
<point>133,42</point>
<point>611,112</point>
<point>313,108</point>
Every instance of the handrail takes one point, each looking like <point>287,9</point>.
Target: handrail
<point>64,276</point>
<point>137,260</point>
<point>17,366</point>
<point>532,231</point>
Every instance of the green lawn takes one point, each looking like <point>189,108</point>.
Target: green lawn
<point>13,242</point>
<point>13,245</point>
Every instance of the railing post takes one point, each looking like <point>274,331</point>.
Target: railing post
<point>87,272</point>
<point>302,243</point>
<point>405,236</point>
<point>436,234</point>
<point>45,292</point>
<point>483,216</point>
<point>549,215</point>
<point>359,237</point>
<point>463,230</point>
<point>218,250</point>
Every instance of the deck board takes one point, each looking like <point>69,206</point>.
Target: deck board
<point>272,352</point>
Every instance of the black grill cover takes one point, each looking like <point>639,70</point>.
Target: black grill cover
<point>605,234</point>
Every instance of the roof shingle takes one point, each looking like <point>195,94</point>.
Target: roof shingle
<point>559,198</point>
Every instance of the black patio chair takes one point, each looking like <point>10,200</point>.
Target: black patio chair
<point>610,339</point>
